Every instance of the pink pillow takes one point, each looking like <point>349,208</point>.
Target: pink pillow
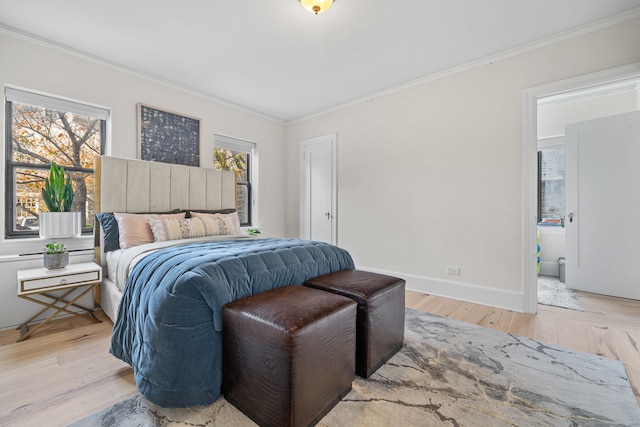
<point>233,217</point>
<point>134,229</point>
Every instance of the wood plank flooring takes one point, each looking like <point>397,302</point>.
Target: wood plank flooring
<point>64,372</point>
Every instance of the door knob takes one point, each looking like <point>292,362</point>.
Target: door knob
<point>570,217</point>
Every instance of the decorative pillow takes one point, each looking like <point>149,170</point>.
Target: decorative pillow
<point>110,230</point>
<point>214,211</point>
<point>233,217</point>
<point>173,229</point>
<point>134,229</point>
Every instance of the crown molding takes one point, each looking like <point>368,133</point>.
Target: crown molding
<point>487,60</point>
<point>41,41</point>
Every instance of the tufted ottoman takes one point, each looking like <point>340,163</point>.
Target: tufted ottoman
<point>288,354</point>
<point>380,319</point>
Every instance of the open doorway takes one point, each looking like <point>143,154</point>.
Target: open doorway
<point>557,95</point>
<point>554,113</point>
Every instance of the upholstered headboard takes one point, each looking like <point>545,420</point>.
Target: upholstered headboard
<point>127,185</point>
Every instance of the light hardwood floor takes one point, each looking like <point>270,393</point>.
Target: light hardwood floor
<point>64,372</point>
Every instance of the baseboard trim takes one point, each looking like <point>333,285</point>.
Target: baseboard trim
<point>549,268</point>
<point>468,292</point>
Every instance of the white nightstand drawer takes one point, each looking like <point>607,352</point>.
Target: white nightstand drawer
<point>68,279</point>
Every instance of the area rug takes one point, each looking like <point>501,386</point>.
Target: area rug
<point>448,373</point>
<point>551,291</point>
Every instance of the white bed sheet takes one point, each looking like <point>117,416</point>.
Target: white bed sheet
<point>110,297</point>
<point>112,261</point>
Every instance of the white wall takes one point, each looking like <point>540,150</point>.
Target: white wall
<point>552,247</point>
<point>431,176</point>
<point>42,68</point>
<point>552,118</point>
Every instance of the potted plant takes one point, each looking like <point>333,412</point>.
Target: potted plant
<point>55,255</point>
<point>58,195</point>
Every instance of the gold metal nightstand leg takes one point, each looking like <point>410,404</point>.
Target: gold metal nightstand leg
<point>25,332</point>
<point>48,305</point>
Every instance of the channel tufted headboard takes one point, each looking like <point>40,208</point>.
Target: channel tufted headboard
<point>128,185</point>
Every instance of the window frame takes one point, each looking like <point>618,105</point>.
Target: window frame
<point>547,144</point>
<point>51,102</point>
<point>251,149</point>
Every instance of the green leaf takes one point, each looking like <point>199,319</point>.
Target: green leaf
<point>57,192</point>
<point>55,248</point>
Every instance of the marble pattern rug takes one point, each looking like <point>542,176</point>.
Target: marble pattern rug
<point>551,291</point>
<point>449,373</point>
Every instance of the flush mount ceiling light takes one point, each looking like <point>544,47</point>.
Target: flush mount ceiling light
<point>316,6</point>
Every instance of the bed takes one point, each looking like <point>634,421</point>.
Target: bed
<point>165,296</point>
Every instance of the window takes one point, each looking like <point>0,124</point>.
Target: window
<point>238,156</point>
<point>551,195</point>
<point>41,130</point>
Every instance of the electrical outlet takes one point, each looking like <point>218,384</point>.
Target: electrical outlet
<point>454,271</point>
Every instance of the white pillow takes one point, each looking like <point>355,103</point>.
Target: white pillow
<point>173,229</point>
<point>233,217</point>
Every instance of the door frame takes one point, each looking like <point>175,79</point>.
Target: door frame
<point>333,138</point>
<point>529,163</point>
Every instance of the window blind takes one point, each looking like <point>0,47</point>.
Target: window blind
<point>234,144</point>
<point>31,98</point>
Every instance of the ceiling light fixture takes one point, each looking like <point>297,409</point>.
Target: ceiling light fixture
<point>316,6</point>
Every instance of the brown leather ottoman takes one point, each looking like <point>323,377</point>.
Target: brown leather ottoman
<point>288,354</point>
<point>380,320</point>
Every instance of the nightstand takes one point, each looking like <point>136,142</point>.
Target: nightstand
<point>74,281</point>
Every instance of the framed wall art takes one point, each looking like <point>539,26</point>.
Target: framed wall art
<point>168,137</point>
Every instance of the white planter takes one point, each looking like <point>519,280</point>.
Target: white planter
<point>55,225</point>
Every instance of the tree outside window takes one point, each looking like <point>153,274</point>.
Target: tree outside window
<point>39,136</point>
<point>237,162</point>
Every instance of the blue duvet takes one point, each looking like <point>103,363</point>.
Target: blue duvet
<point>169,321</point>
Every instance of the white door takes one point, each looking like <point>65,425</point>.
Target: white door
<point>318,187</point>
<point>603,205</point>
